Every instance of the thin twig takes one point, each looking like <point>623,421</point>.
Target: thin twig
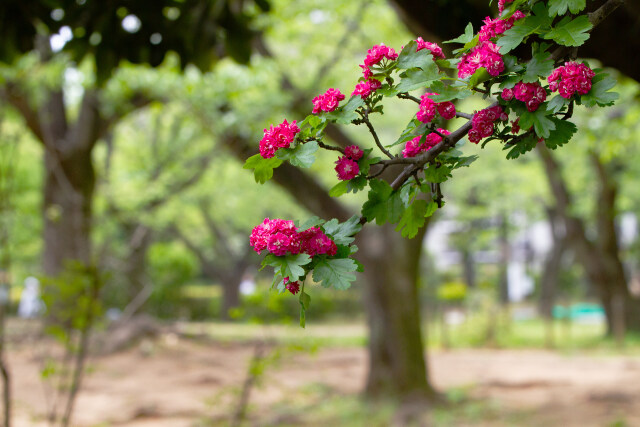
<point>328,147</point>
<point>405,95</point>
<point>366,121</point>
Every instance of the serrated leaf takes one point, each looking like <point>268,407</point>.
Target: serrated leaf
<point>557,103</point>
<point>599,93</point>
<point>301,156</point>
<point>356,184</point>
<point>561,134</point>
<point>466,37</point>
<point>395,207</point>
<point>538,20</point>
<point>540,121</point>
<point>413,129</point>
<point>524,146</point>
<point>570,32</point>
<point>375,208</point>
<point>437,175</point>
<point>342,233</point>
<point>416,78</point>
<point>410,57</point>
<point>314,221</point>
<point>559,7</point>
<point>338,273</point>
<point>448,93</point>
<point>339,189</point>
<point>479,76</point>
<point>413,217</point>
<point>540,65</point>
<point>289,265</point>
<point>262,168</point>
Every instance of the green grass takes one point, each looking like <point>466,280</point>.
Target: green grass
<point>509,334</point>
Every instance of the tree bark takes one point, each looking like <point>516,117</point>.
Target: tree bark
<point>68,192</point>
<point>396,350</point>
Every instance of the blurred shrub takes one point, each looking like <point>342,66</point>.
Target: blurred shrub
<point>452,292</point>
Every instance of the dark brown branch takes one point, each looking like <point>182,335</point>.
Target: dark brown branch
<point>405,95</point>
<point>329,147</point>
<point>366,121</point>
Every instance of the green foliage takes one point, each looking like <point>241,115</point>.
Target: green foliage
<point>570,32</point>
<point>540,65</point>
<point>338,273</point>
<point>599,93</point>
<point>539,21</point>
<point>452,292</point>
<point>521,147</point>
<point>290,266</point>
<point>410,57</point>
<point>342,233</point>
<point>466,37</point>
<point>561,134</point>
<point>262,168</point>
<point>540,121</point>
<point>560,7</point>
<point>376,207</point>
<point>414,217</point>
<point>301,156</point>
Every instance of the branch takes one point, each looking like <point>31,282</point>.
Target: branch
<point>365,120</point>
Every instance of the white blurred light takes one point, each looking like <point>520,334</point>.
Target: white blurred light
<point>155,38</point>
<point>58,41</point>
<point>131,23</point>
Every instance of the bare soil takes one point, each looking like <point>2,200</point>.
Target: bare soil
<point>174,382</point>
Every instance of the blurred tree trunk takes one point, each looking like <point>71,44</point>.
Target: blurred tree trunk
<point>396,348</point>
<point>505,249</point>
<point>599,256</point>
<point>552,265</point>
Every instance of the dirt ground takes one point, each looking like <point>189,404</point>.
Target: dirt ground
<point>175,382</point>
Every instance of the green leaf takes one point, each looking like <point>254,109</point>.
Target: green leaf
<point>540,65</point>
<point>437,174</point>
<point>570,32</point>
<point>376,205</point>
<point>557,103</point>
<point>410,57</point>
<point>314,221</point>
<point>562,134</point>
<point>338,273</point>
<point>479,76</point>
<point>559,7</point>
<point>347,113</point>
<point>395,207</point>
<point>262,168</point>
<point>289,265</point>
<point>339,189</point>
<point>416,78</point>
<point>524,146</point>
<point>342,233</point>
<point>413,129</point>
<point>538,20</point>
<point>356,184</point>
<point>413,217</point>
<point>466,37</point>
<point>540,121</point>
<point>301,156</point>
<point>599,93</point>
<point>448,93</point>
<point>305,299</point>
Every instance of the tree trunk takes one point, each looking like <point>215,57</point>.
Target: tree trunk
<point>396,350</point>
<point>69,185</point>
<point>503,279</point>
<point>230,297</point>
<point>552,266</point>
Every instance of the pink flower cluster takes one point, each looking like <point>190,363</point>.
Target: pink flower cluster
<point>347,166</point>
<point>571,78</point>
<point>328,101</point>
<point>281,237</point>
<point>494,27</point>
<point>487,55</point>
<point>532,94</point>
<point>482,123</point>
<point>376,54</point>
<point>435,50</point>
<point>428,108</point>
<point>366,88</point>
<point>275,137</point>
<point>501,4</point>
<point>413,147</point>
<point>293,287</point>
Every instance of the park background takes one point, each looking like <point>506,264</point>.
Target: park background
<point>173,325</point>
